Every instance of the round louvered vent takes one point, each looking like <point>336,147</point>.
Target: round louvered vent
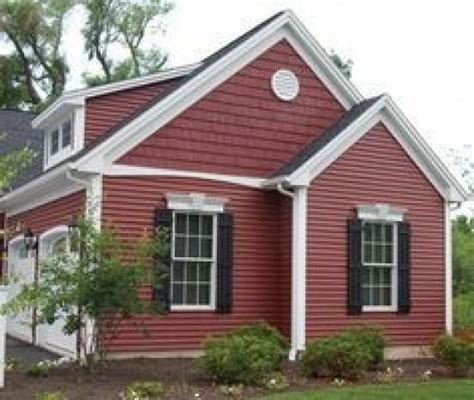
<point>285,84</point>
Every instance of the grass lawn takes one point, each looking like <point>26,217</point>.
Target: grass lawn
<point>435,390</point>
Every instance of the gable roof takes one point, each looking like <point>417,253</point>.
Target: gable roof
<point>16,125</point>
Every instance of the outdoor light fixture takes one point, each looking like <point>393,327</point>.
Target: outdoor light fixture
<point>30,240</point>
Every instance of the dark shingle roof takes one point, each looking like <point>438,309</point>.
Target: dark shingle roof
<point>326,137</point>
<point>16,126</point>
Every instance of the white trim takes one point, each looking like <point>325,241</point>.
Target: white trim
<point>448,270</point>
<point>76,97</point>
<point>284,27</point>
<point>375,309</point>
<point>385,111</point>
<point>298,271</point>
<point>195,202</point>
<point>129,170</point>
<point>380,212</point>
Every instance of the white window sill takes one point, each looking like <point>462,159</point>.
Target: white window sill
<point>379,309</point>
<point>192,308</point>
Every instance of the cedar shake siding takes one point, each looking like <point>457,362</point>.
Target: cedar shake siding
<point>50,215</point>
<point>374,170</point>
<point>241,128</point>
<point>261,266</point>
<point>106,111</point>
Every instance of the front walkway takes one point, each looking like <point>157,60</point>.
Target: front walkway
<point>26,353</point>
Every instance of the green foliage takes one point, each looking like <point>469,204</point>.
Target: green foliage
<point>38,370</point>
<point>143,391</point>
<point>127,23</point>
<point>347,355</point>
<point>51,396</point>
<point>276,381</point>
<point>247,355</point>
<point>464,311</point>
<point>456,353</point>
<point>262,330</point>
<point>463,255</point>
<point>344,66</point>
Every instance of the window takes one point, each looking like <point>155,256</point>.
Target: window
<point>59,142</point>
<point>379,275</point>
<point>193,260</point>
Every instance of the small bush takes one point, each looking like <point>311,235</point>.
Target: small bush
<point>38,370</point>
<point>246,355</point>
<point>347,355</point>
<point>143,391</point>
<point>454,352</point>
<point>51,396</point>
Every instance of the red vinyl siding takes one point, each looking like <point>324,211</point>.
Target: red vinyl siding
<point>240,127</point>
<point>261,265</point>
<point>47,216</point>
<point>104,112</point>
<point>374,170</point>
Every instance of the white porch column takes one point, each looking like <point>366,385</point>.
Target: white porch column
<point>3,333</point>
<point>448,269</point>
<point>298,272</point>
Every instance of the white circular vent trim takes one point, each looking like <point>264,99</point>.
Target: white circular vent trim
<point>285,84</point>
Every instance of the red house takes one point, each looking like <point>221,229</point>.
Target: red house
<point>291,198</point>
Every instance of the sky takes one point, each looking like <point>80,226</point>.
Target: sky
<point>420,52</point>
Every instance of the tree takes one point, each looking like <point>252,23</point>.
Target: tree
<point>463,255</point>
<point>344,66</point>
<point>100,278</point>
<point>127,22</point>
<point>463,159</point>
<point>35,71</point>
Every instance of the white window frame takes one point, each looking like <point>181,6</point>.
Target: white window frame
<point>213,261</point>
<point>394,273</point>
<point>63,152</point>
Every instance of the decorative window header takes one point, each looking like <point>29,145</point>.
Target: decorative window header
<point>195,202</point>
<point>380,212</point>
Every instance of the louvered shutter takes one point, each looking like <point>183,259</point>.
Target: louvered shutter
<point>355,266</point>
<point>404,239</point>
<point>224,263</point>
<point>162,289</point>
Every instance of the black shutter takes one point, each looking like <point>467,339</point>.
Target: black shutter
<point>224,263</point>
<point>354,302</point>
<point>161,292</point>
<point>404,238</point>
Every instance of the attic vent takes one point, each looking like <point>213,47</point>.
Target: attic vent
<point>285,84</point>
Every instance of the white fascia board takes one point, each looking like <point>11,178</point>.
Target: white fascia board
<point>129,170</point>
<point>413,144</point>
<point>284,27</point>
<point>77,97</point>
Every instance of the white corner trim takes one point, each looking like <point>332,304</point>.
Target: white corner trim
<point>284,27</point>
<point>195,202</point>
<point>129,170</point>
<point>380,212</point>
<point>448,269</point>
<point>298,271</point>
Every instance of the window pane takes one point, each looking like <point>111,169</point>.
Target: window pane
<point>181,223</point>
<point>387,276</point>
<point>204,272</point>
<point>389,233</point>
<point>54,142</point>
<point>367,232</point>
<point>193,247</point>
<point>178,271</point>
<point>204,295</point>
<point>206,248</point>
<point>388,254</point>
<point>179,246</point>
<point>206,227</point>
<point>177,293</point>
<point>368,257</point>
<point>194,224</point>
<point>378,254</point>
<point>191,294</point>
<point>66,134</point>
<point>386,296</point>
<point>191,272</point>
<point>376,297</point>
<point>378,232</point>
<point>365,296</point>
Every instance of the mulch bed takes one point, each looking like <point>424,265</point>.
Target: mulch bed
<point>180,380</point>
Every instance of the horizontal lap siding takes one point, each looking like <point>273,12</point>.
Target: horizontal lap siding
<point>47,216</point>
<point>260,264</point>
<point>241,127</point>
<point>374,170</point>
<point>104,112</point>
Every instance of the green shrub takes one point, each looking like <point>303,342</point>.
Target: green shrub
<point>50,396</point>
<point>464,311</point>
<point>347,355</point>
<point>454,352</point>
<point>39,370</point>
<point>143,391</point>
<point>246,355</point>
